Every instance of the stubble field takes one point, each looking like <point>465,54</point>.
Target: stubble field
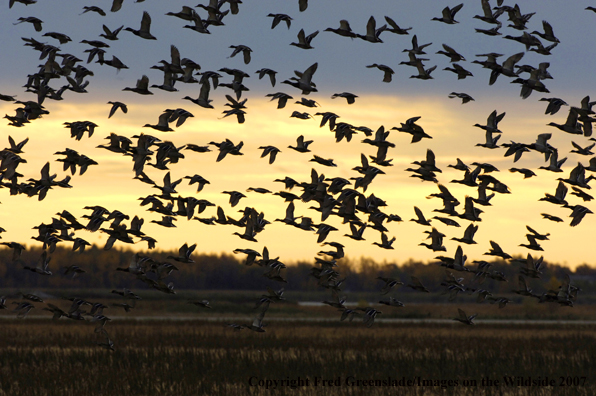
<point>196,357</point>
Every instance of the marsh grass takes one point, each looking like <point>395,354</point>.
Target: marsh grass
<point>39,357</point>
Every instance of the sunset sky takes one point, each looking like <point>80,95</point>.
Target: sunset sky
<point>341,67</point>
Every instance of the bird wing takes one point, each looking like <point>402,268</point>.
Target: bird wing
<point>419,214</point>
<point>462,314</point>
<point>548,29</point>
<point>455,9</point>
<point>371,27</point>
<point>311,36</point>
<point>308,73</point>
<point>143,82</point>
<point>145,22</point>
<point>175,55</point>
<point>301,37</point>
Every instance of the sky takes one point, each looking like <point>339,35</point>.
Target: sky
<point>341,68</point>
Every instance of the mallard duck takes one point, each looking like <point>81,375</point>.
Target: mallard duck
<point>107,344</point>
<point>497,251</point>
<point>386,243</point>
<point>468,237</point>
<point>424,74</point>
<point>281,97</point>
<point>271,73</point>
<point>489,32</point>
<point>17,249</point>
<point>582,150</point>
<point>184,254</point>
<point>304,41</point>
<point>163,124</point>
<point>518,19</point>
<point>548,34</point>
<point>23,309</point>
<point>277,18</point>
<point>245,52</point>
<point>369,315</point>
<point>460,71</point>
<point>142,86</point>
<point>387,71</point>
<point>356,232</point>
<point>304,80</point>
<point>42,265</point>
<point>420,219</point>
<point>350,97</point>
<point>490,16</point>
<point>532,245</point>
<point>337,302</point>
<point>436,239</point>
<point>25,2</point>
<point>372,33</point>
<point>577,177</point>
<point>202,303</point>
<point>111,35</point>
<point>452,54</point>
<point>36,22</point>
<point>143,31</point>
<point>524,171</point>
<point>506,68</point>
<point>417,285</point>
<point>413,129</point>
<point>323,161</point>
<point>187,13</point>
<point>554,104</point>
<point>464,318</point>
<point>449,14</point>
<point>578,213</point>
<point>200,26</point>
<point>343,30</point>
<point>393,302</point>
<point>301,145</point>
<point>552,218</point>
<point>490,141</point>
<point>389,284</point>
<point>555,163</point>
<point>116,106</point>
<point>61,37</point>
<point>347,313</point>
<point>492,122</point>
<point>395,27</point>
<point>93,9</point>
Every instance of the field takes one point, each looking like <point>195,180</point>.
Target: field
<point>197,357</point>
<point>232,303</point>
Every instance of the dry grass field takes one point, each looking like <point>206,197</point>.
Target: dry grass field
<point>44,357</point>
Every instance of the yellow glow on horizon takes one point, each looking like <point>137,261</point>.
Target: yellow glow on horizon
<point>111,183</point>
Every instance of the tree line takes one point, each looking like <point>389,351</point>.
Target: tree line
<point>228,272</point>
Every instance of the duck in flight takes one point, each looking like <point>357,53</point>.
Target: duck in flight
<point>464,318</point>
<point>144,30</point>
<point>304,40</point>
<point>344,29</point>
<point>387,71</point>
<point>449,15</point>
<point>372,33</point>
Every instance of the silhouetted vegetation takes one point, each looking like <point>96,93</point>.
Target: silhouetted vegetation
<point>228,272</point>
<point>199,358</point>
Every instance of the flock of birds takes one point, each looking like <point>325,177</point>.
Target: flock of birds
<point>63,72</point>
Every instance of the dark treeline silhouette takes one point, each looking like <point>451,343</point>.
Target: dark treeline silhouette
<point>228,272</point>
